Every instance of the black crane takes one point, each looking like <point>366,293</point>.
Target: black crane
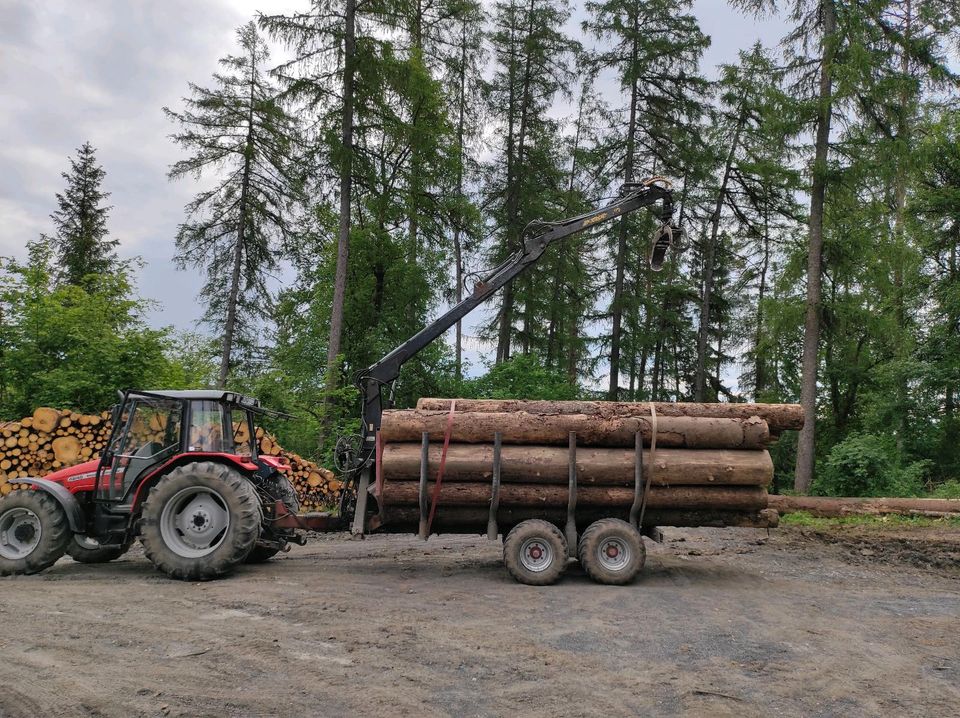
<point>537,236</point>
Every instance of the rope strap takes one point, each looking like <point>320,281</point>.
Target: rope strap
<point>443,464</point>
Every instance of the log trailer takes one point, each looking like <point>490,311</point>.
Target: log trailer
<point>178,474</point>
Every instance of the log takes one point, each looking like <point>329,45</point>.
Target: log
<point>829,507</point>
<point>407,493</point>
<point>453,519</point>
<point>45,418</point>
<point>66,449</point>
<point>779,417</point>
<point>548,464</point>
<point>592,430</point>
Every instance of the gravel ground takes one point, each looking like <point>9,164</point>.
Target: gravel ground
<point>800,622</point>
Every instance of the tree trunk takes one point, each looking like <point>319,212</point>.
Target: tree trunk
<point>830,507</point>
<point>591,429</point>
<point>233,293</point>
<point>332,378</point>
<point>616,307</point>
<point>741,498</point>
<point>806,448</point>
<point>610,467</point>
<point>464,519</point>
<point>700,378</point>
<point>457,241</point>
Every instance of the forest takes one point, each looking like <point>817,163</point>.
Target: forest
<point>398,148</point>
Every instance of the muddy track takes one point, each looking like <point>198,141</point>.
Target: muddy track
<point>722,623</point>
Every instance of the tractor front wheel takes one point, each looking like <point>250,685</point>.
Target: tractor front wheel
<point>200,521</point>
<point>33,532</point>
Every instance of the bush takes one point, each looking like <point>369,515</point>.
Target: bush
<point>869,465</point>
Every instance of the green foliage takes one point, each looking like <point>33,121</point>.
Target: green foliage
<point>802,518</point>
<point>521,377</point>
<point>869,465</point>
<point>80,242</point>
<point>70,346</point>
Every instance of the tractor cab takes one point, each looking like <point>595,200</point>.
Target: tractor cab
<point>152,428</point>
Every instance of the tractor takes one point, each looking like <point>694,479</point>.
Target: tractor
<point>181,471</point>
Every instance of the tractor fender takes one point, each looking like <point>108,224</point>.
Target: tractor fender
<point>67,501</point>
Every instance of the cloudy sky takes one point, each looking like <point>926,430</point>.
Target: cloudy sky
<point>101,70</point>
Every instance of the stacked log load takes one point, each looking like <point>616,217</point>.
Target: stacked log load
<point>711,466</point>
<point>52,439</point>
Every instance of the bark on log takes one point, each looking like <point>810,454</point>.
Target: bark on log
<point>592,430</point>
<point>779,417</point>
<point>829,507</point>
<point>458,519</point>
<point>407,493</point>
<point>549,464</point>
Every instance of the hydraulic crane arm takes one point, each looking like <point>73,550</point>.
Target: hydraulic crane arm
<point>538,236</point>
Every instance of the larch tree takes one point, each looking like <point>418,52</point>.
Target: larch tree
<point>80,242</point>
<point>236,230</point>
<point>654,48</point>
<point>524,180</point>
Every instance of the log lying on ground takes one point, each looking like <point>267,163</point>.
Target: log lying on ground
<point>741,498</point>
<point>779,417</point>
<point>549,464</point>
<point>592,429</point>
<point>454,519</point>
<point>829,507</point>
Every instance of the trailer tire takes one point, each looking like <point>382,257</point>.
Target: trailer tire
<point>611,551</point>
<point>535,552</point>
<point>221,529</point>
<point>33,532</point>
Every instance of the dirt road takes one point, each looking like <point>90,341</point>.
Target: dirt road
<point>723,623</point>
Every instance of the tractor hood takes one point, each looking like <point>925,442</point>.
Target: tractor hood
<point>80,477</point>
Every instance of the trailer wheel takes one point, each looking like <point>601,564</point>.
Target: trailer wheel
<point>200,521</point>
<point>33,532</point>
<point>535,552</point>
<point>611,551</point>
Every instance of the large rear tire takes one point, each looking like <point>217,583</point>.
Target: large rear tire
<point>33,532</point>
<point>84,549</point>
<point>200,521</point>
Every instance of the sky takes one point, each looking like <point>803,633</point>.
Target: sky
<point>102,70</point>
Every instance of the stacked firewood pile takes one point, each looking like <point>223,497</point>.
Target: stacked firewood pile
<point>52,439</point>
<point>711,466</point>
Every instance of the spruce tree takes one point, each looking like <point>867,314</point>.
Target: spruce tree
<point>80,241</point>
<point>239,132</point>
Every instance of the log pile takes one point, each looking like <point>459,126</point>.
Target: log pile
<point>711,466</point>
<point>52,439</point>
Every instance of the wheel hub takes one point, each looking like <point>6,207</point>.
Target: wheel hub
<point>20,533</point>
<point>614,554</point>
<point>194,522</point>
<point>536,555</point>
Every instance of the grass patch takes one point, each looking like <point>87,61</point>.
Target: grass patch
<point>802,518</point>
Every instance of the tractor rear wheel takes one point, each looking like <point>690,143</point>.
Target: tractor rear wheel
<point>33,532</point>
<point>85,549</point>
<point>200,521</point>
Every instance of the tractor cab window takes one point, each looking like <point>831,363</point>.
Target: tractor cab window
<point>207,422</point>
<point>242,439</point>
<point>148,430</point>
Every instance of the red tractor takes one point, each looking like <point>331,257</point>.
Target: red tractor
<point>181,471</point>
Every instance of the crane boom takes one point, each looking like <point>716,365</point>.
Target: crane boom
<point>538,235</point>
